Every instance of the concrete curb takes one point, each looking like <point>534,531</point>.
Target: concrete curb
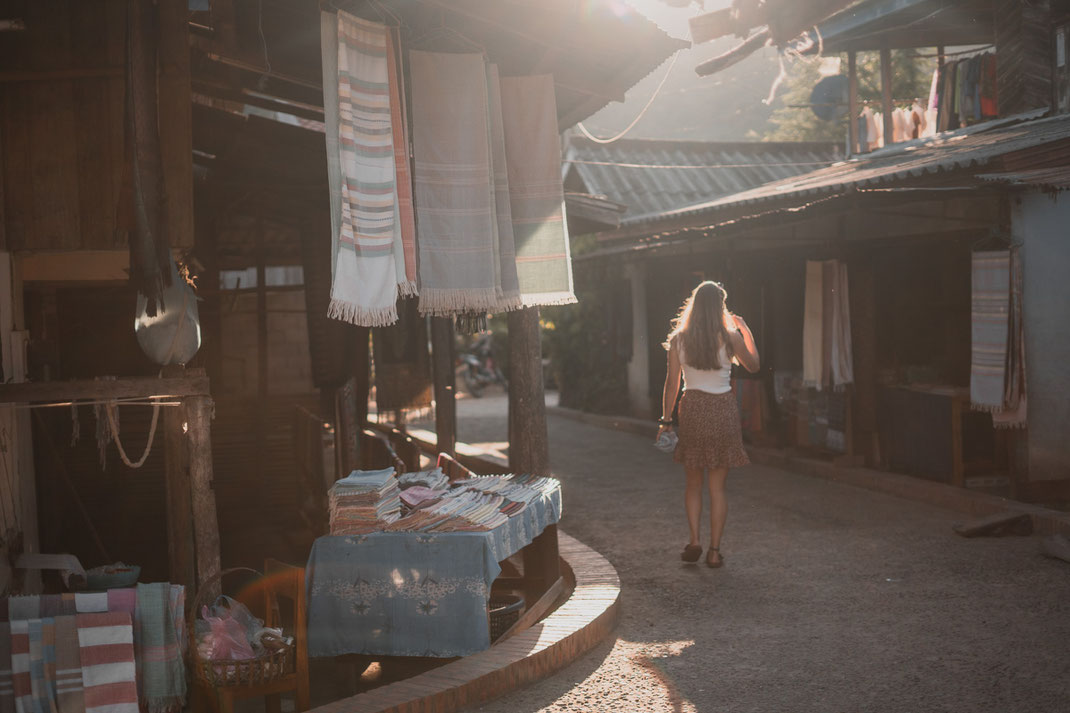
<point>968,502</point>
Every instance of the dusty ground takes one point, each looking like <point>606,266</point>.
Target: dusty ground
<point>832,598</point>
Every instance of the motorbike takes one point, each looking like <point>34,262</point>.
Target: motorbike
<point>478,367</point>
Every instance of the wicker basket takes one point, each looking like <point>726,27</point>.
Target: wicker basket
<point>504,610</point>
<point>265,668</point>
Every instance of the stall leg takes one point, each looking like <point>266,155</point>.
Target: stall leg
<point>445,384</point>
<point>205,522</point>
<point>528,448</point>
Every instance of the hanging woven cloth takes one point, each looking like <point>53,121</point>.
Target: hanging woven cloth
<point>455,214</point>
<point>367,244</point>
<point>533,154</point>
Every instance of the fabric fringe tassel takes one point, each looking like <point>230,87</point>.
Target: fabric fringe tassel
<point>361,316</point>
<point>510,302</point>
<point>548,299</point>
<point>446,302</point>
<point>408,289</point>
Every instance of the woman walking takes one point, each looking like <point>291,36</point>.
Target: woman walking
<point>705,339</point>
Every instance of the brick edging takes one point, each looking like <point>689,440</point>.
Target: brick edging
<point>577,626</point>
<point>968,502</point>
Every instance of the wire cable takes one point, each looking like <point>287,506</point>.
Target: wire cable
<point>629,127</point>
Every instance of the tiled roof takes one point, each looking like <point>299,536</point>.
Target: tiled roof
<point>652,177</point>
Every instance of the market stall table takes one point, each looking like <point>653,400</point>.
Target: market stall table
<point>413,593</point>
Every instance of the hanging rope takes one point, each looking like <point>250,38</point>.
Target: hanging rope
<point>629,127</point>
<point>109,410</point>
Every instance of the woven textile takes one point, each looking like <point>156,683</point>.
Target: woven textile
<point>22,685</point>
<point>1013,413</point>
<point>69,695</point>
<point>106,649</point>
<point>124,600</point>
<point>365,284</point>
<point>506,279</point>
<point>990,318</point>
<point>91,603</point>
<point>533,154</point>
<point>813,325</point>
<point>400,132</point>
<point>25,607</point>
<point>160,672</point>
<point>842,363</point>
<point>7,688</point>
<point>455,214</point>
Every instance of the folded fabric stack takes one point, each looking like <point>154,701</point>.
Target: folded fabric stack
<point>433,479</point>
<point>477,504</point>
<point>365,501</point>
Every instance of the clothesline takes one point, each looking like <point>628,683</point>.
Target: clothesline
<point>690,165</point>
<point>138,401</point>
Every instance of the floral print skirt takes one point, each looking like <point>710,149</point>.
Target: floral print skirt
<point>710,432</point>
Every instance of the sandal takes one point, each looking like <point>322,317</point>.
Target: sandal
<point>691,553</point>
<point>710,562</point>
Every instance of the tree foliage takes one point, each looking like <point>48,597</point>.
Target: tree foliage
<point>793,120</point>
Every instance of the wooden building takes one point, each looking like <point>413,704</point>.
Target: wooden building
<point>241,169</point>
<point>904,219</point>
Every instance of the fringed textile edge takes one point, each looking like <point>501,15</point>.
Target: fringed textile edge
<point>408,289</point>
<point>1008,425</point>
<point>548,299</point>
<point>986,408</point>
<point>362,316</point>
<point>509,301</point>
<point>446,302</point>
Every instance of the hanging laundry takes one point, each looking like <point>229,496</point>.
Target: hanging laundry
<point>813,310</point>
<point>827,351</point>
<point>537,200</point>
<point>367,244</point>
<point>453,185</point>
<point>405,215</point>
<point>507,279</point>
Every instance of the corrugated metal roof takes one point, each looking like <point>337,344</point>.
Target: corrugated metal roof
<point>964,148</point>
<point>1058,177</point>
<point>654,176</point>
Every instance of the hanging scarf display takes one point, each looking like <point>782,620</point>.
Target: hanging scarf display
<point>537,201</point>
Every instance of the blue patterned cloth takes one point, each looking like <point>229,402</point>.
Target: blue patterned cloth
<point>412,593</point>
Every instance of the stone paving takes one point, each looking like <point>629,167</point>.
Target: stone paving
<point>833,598</point>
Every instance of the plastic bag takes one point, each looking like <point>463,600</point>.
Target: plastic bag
<point>173,335</point>
<point>226,631</point>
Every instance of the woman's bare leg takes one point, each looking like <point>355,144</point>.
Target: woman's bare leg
<point>718,505</point>
<point>693,502</point>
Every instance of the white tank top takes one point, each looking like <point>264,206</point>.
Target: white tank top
<point>712,381</point>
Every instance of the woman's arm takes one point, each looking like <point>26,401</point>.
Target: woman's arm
<point>743,347</point>
<point>672,386</point>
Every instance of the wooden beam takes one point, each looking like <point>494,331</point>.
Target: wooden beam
<point>444,376</point>
<point>122,388</point>
<point>205,520</point>
<point>528,447</point>
<point>60,75</point>
<point>852,103</point>
<point>886,96</point>
<point>737,54</point>
<point>176,122</point>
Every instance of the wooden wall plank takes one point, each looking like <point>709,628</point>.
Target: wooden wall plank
<point>176,122</point>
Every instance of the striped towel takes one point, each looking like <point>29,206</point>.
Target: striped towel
<point>367,245</point>
<point>22,688</point>
<point>43,662</point>
<point>7,689</point>
<point>990,317</point>
<point>124,600</point>
<point>160,673</point>
<point>533,154</point>
<point>91,603</point>
<point>69,695</point>
<point>106,646</point>
<point>453,184</point>
<point>177,607</point>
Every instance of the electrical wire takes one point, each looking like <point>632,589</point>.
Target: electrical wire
<point>693,165</point>
<point>629,127</point>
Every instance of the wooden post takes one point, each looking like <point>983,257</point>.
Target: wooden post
<point>886,95</point>
<point>852,103</point>
<point>205,522</point>
<point>445,384</point>
<point>528,448</point>
<point>180,542</point>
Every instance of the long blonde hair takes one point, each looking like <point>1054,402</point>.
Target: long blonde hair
<point>701,328</point>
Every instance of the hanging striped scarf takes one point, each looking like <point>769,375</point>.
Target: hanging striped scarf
<point>367,244</point>
<point>990,316</point>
